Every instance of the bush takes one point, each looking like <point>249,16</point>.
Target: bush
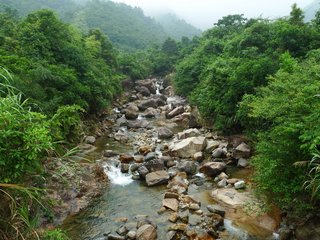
<point>288,111</point>
<point>24,138</point>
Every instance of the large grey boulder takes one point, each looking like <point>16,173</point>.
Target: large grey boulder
<point>147,83</point>
<point>186,148</point>
<point>192,132</point>
<point>146,232</point>
<point>139,124</point>
<point>213,169</point>
<point>164,133</point>
<point>155,165</point>
<point>147,104</point>
<point>157,178</point>
<point>242,151</point>
<point>175,112</point>
<point>189,167</point>
<point>150,112</point>
<point>143,90</point>
<point>131,115</point>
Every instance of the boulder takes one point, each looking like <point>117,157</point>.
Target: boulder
<point>178,227</point>
<point>193,132</point>
<point>198,156</point>
<point>222,183</point>
<point>90,140</point>
<point>171,195</point>
<point>157,178</point>
<point>120,136</point>
<point>131,115</point>
<point>150,112</point>
<point>143,90</point>
<point>139,124</point>
<point>186,148</point>
<point>168,91</point>
<point>212,169</point>
<point>147,104</point>
<point>148,83</point>
<point>212,145</point>
<point>243,162</point>
<point>189,167</point>
<point>146,232</point>
<point>193,123</point>
<point>150,156</point>
<point>132,107</point>
<point>175,112</point>
<point>115,237</point>
<point>171,203</point>
<point>240,185</point>
<point>218,153</point>
<point>109,153</point>
<point>126,158</point>
<point>161,100</point>
<point>223,176</point>
<point>164,133</point>
<point>216,209</point>
<point>132,235</point>
<point>155,165</point>
<point>145,149</point>
<point>242,151</point>
<point>143,171</point>
<point>231,197</point>
<point>125,168</point>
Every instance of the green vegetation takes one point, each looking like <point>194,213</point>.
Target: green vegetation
<point>261,77</point>
<point>127,27</point>
<point>54,64</point>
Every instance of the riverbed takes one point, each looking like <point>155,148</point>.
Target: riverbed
<point>125,198</point>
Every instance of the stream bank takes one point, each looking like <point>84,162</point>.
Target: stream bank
<point>169,178</point>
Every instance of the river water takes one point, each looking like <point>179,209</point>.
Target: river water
<point>125,198</point>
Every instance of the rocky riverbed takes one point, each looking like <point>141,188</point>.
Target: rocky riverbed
<point>169,177</point>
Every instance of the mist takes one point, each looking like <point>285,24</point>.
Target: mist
<point>204,13</point>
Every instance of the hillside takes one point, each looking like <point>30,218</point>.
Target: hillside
<point>126,26</point>
<point>65,8</point>
<point>311,9</point>
<point>177,28</point>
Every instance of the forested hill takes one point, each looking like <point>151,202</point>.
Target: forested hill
<point>311,10</point>
<point>177,28</point>
<point>65,8</point>
<point>126,26</point>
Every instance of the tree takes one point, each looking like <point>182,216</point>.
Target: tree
<point>296,15</point>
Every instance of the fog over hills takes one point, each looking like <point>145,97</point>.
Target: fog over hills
<point>311,10</point>
<point>204,13</point>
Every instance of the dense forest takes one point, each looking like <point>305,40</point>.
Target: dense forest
<point>254,76</point>
<point>135,31</point>
<point>260,76</point>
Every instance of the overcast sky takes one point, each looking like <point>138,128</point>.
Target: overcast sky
<point>203,13</point>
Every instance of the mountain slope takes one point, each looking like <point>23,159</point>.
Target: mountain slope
<point>177,28</point>
<point>65,8</point>
<point>311,10</point>
<point>126,26</point>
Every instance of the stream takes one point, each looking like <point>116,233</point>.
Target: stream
<point>127,196</point>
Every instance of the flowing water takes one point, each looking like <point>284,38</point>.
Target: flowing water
<point>125,198</point>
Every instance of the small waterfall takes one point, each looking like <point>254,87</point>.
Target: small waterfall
<point>116,176</point>
<point>141,117</point>
<point>116,110</point>
<point>159,86</point>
